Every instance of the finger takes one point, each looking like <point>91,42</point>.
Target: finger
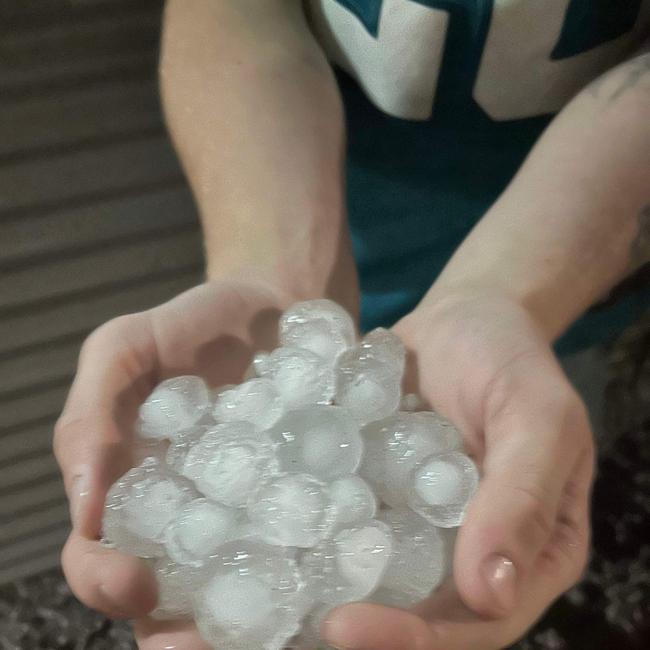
<point>120,586</point>
<point>535,429</point>
<point>559,565</point>
<point>444,622</point>
<point>364,626</point>
<point>180,635</point>
<point>450,624</point>
<point>370,627</point>
<point>92,440</point>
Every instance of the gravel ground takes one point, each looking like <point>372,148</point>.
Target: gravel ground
<point>608,610</point>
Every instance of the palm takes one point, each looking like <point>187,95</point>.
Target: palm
<point>483,363</point>
<point>212,331</point>
<point>490,351</point>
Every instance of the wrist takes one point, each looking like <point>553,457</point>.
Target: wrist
<point>447,308</point>
<point>458,340</point>
<point>495,264</point>
<point>272,279</point>
<point>288,285</point>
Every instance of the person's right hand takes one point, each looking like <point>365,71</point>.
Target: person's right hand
<point>213,331</point>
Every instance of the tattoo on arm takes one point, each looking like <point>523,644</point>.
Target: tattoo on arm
<point>638,273</point>
<point>623,78</point>
<point>640,249</point>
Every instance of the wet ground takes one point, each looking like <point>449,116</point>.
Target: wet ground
<point>608,610</point>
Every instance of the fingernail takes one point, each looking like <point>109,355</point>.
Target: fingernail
<point>501,576</point>
<point>78,493</point>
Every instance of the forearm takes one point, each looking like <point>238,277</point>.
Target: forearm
<point>255,114</point>
<point>574,220</point>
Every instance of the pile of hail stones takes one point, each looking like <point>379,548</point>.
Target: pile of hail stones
<point>312,484</point>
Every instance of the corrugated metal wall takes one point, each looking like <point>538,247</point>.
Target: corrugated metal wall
<point>95,221</point>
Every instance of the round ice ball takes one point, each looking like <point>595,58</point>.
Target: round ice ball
<point>319,440</point>
<point>394,445</point>
<point>369,377</point>
<point>418,562</point>
<point>354,501</point>
<point>198,530</point>
<point>300,376</point>
<point>175,405</point>
<point>254,597</point>
<point>441,487</point>
<point>140,505</point>
<point>256,401</point>
<point>321,326</point>
<point>292,510</point>
<point>228,462</point>
<point>176,586</point>
<point>350,566</point>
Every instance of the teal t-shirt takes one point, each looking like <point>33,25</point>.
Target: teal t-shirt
<point>444,99</point>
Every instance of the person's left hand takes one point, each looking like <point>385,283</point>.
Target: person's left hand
<point>483,362</point>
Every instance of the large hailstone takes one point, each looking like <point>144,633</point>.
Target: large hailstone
<point>351,565</point>
<point>199,530</point>
<point>417,564</point>
<point>320,326</point>
<point>256,401</point>
<point>176,586</point>
<point>292,510</point>
<point>369,376</point>
<point>320,440</point>
<point>353,501</point>
<point>179,447</point>
<point>175,405</point>
<point>140,505</point>
<point>300,376</point>
<point>441,487</point>
<point>228,462</point>
<point>393,447</point>
<point>254,599</point>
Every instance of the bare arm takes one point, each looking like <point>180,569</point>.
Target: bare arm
<point>256,117</point>
<point>571,224</point>
<point>575,220</point>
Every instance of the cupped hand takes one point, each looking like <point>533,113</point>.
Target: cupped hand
<point>212,331</point>
<point>483,362</point>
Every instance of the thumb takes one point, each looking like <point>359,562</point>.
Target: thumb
<point>93,436</point>
<point>533,423</point>
<point>93,445</point>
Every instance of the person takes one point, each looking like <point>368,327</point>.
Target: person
<point>481,248</point>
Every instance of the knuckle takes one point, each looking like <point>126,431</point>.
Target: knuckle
<point>579,566</point>
<point>70,559</point>
<point>535,510</point>
<point>572,569</point>
<point>575,424</point>
<point>58,440</point>
<point>576,549</point>
<point>81,582</point>
<point>110,332</point>
<point>67,443</point>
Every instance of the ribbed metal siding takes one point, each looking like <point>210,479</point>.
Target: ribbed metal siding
<point>95,221</point>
